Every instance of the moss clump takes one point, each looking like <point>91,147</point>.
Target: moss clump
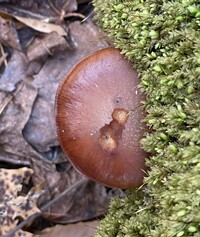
<point>162,39</point>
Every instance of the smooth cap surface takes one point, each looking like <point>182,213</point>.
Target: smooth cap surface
<point>95,125</point>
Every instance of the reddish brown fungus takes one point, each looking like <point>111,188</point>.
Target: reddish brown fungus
<point>94,124</point>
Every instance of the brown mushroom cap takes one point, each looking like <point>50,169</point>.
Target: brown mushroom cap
<point>95,125</point>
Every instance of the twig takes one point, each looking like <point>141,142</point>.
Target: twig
<point>3,59</point>
<point>62,12</point>
<point>4,55</point>
<point>87,17</point>
<point>53,7</point>
<point>78,183</point>
<point>74,14</point>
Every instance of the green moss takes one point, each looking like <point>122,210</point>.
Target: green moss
<point>162,39</point>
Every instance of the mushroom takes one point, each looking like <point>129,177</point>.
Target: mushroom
<point>98,118</point>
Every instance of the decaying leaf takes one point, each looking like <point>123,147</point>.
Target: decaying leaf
<point>14,205</point>
<point>38,25</point>
<point>41,26</point>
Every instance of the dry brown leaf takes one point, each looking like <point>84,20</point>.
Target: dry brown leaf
<point>37,25</point>
<point>81,229</point>
<point>41,26</point>
<point>13,205</point>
